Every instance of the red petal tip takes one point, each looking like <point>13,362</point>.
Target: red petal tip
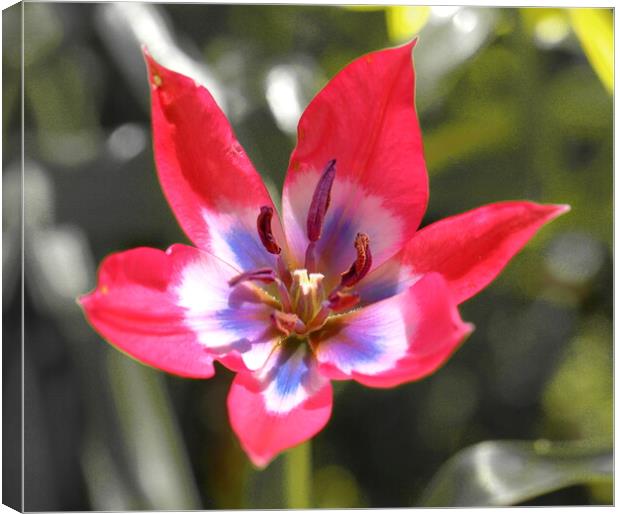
<point>148,57</point>
<point>409,45</point>
<point>259,463</point>
<point>562,208</point>
<point>468,328</point>
<point>155,70</point>
<point>85,299</point>
<point>556,210</point>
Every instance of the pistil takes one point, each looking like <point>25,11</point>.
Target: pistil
<point>307,293</point>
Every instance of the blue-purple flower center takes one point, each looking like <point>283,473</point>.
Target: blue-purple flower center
<point>301,304</point>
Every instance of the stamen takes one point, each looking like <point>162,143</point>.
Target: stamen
<point>339,301</point>
<point>285,298</point>
<point>287,322</point>
<point>320,317</point>
<point>283,271</point>
<point>361,266</point>
<point>265,275</point>
<point>320,202</point>
<point>309,260</point>
<point>252,293</point>
<point>336,302</point>
<point>263,224</point>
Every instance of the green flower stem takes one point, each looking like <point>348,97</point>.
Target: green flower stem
<point>298,476</point>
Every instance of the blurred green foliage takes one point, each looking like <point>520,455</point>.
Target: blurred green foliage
<point>583,409</point>
<point>513,103</point>
<point>496,473</point>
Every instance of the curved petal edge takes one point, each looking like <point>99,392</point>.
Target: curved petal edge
<point>279,406</point>
<point>207,178</point>
<point>364,119</point>
<point>400,339</point>
<point>469,250</point>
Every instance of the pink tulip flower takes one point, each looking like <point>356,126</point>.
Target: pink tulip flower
<point>342,286</point>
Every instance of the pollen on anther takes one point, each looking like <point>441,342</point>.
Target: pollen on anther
<point>157,81</point>
<point>361,265</point>
<point>320,202</point>
<point>263,224</point>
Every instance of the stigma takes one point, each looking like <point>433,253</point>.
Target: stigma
<point>307,293</point>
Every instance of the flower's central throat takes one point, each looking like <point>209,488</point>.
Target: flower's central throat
<point>306,294</point>
<point>301,304</point>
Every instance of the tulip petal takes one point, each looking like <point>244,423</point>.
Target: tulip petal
<point>175,311</point>
<point>397,340</point>
<point>209,181</point>
<point>281,405</point>
<point>365,119</point>
<point>468,249</point>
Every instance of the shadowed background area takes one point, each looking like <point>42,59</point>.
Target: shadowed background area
<point>513,104</point>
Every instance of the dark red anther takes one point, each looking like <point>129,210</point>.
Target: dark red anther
<point>320,201</point>
<point>265,275</point>
<point>339,301</point>
<point>263,224</point>
<point>361,266</point>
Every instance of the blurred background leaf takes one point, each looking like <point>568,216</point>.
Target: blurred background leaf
<point>163,471</point>
<point>496,473</point>
<point>404,21</point>
<point>594,28</point>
